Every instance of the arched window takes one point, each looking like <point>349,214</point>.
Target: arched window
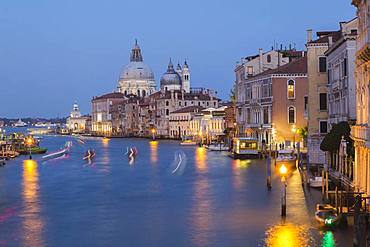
<point>144,93</point>
<point>167,103</point>
<point>125,92</point>
<point>291,114</point>
<point>291,89</point>
<point>269,58</point>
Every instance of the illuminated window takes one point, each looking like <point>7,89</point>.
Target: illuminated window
<point>291,89</point>
<point>269,58</point>
<point>291,114</point>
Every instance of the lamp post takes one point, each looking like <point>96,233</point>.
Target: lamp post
<point>29,144</point>
<point>153,134</point>
<point>283,171</point>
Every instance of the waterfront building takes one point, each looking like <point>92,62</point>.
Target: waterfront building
<point>180,122</point>
<point>170,101</point>
<point>178,79</point>
<point>361,131</point>
<point>76,123</point>
<point>253,65</point>
<point>274,103</point>
<point>318,92</point>
<point>209,124</point>
<point>136,78</point>
<point>101,122</point>
<point>341,75</point>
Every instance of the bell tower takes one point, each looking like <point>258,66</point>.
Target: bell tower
<point>185,76</point>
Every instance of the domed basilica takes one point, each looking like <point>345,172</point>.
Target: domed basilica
<point>138,79</point>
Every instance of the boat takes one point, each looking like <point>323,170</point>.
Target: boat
<point>60,153</point>
<point>34,150</point>
<point>245,147</point>
<point>20,123</point>
<point>286,157</point>
<point>188,143</point>
<point>89,155</point>
<point>316,182</point>
<point>217,147</point>
<point>326,215</point>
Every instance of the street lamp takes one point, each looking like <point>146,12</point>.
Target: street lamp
<point>283,171</point>
<point>29,142</point>
<point>200,137</point>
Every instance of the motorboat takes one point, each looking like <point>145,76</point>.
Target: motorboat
<point>286,157</point>
<point>217,147</point>
<point>316,182</point>
<point>60,153</point>
<point>326,215</point>
<point>89,155</point>
<point>188,143</point>
<point>245,147</point>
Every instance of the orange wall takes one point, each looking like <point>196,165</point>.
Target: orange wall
<point>280,107</point>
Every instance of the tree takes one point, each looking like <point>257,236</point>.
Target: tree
<point>303,133</point>
<point>332,140</point>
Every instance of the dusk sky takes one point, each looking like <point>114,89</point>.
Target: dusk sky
<point>53,53</point>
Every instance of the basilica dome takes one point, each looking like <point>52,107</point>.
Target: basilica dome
<point>136,78</point>
<point>171,77</point>
<point>137,71</point>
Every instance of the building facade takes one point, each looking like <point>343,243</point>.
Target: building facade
<point>180,122</point>
<point>76,123</point>
<point>101,121</point>
<point>341,75</point>
<point>361,131</point>
<point>274,104</point>
<point>318,92</point>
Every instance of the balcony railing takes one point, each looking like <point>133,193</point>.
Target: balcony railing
<point>360,132</point>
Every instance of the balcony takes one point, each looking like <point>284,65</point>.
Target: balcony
<point>361,133</point>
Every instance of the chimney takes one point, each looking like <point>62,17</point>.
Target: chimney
<point>261,60</point>
<point>309,35</point>
<point>330,39</point>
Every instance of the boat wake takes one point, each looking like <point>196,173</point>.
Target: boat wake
<point>178,164</point>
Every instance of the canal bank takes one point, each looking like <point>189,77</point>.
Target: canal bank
<point>213,201</point>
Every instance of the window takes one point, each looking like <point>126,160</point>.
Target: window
<point>167,103</point>
<point>305,103</point>
<point>144,93</point>
<point>167,112</point>
<point>322,64</point>
<point>323,102</point>
<point>250,70</point>
<point>185,103</point>
<point>344,67</point>
<point>138,93</point>
<point>291,114</point>
<point>265,115</point>
<point>269,58</point>
<point>291,89</point>
<point>179,103</point>
<point>323,127</point>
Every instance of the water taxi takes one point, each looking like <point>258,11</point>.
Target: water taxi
<point>59,153</point>
<point>217,147</point>
<point>326,215</point>
<point>245,147</point>
<point>188,143</point>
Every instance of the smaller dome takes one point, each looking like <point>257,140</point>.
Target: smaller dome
<point>171,77</point>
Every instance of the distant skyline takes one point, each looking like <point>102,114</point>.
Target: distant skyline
<point>53,53</point>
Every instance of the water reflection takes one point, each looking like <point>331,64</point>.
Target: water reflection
<point>153,145</point>
<point>328,239</point>
<point>201,213</point>
<point>32,222</point>
<point>200,159</point>
<point>237,167</point>
<point>288,235</point>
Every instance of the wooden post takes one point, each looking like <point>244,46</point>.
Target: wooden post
<point>327,185</point>
<point>269,173</point>
<point>336,198</point>
<point>323,185</point>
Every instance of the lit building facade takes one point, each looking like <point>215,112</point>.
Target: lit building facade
<point>76,123</point>
<point>361,131</point>
<point>341,75</point>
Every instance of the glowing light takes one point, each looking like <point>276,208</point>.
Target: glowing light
<point>153,131</point>
<point>328,239</point>
<point>200,159</point>
<point>153,145</point>
<point>283,170</point>
<point>105,141</point>
<point>287,235</point>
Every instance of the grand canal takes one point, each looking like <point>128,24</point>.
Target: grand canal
<point>211,200</point>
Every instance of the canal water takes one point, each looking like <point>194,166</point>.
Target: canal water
<point>170,195</point>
